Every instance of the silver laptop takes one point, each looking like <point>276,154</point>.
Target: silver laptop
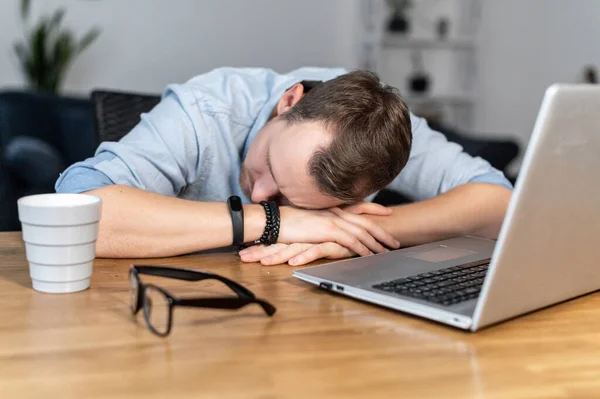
<point>548,249</point>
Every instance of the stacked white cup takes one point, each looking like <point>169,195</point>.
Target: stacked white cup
<point>60,233</point>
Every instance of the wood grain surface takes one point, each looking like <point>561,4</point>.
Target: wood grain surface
<point>318,345</point>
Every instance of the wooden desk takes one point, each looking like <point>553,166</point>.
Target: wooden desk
<point>318,345</point>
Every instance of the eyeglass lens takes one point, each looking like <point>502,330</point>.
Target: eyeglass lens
<point>156,309</point>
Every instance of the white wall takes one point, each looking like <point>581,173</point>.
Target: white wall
<point>147,44</point>
<point>526,46</point>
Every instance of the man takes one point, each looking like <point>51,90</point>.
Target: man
<point>264,136</point>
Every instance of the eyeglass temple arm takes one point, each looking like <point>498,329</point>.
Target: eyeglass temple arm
<point>226,303</point>
<point>193,275</point>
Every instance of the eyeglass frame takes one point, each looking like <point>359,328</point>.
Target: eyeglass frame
<point>244,296</point>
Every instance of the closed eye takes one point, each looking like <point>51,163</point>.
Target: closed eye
<point>270,167</point>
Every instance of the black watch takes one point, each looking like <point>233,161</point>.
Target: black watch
<point>236,210</point>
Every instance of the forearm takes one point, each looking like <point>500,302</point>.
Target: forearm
<point>140,224</point>
<point>472,209</point>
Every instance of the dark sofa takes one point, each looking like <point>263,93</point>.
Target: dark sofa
<point>40,134</point>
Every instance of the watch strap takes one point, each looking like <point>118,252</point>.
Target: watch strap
<point>236,210</point>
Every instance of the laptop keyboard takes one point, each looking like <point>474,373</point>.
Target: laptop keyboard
<point>445,286</point>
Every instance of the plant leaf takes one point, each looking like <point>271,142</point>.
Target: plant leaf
<point>62,55</point>
<point>25,7</point>
<point>88,39</point>
<point>56,20</point>
<point>49,49</point>
<point>38,47</point>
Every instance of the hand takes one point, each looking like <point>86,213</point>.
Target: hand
<point>294,254</point>
<point>346,227</point>
<point>367,208</point>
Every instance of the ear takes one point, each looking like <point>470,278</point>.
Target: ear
<point>290,98</point>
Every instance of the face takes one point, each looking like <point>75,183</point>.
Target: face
<point>276,167</point>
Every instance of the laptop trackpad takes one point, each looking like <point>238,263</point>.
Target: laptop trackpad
<point>443,253</point>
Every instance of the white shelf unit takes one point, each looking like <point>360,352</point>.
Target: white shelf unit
<point>450,62</point>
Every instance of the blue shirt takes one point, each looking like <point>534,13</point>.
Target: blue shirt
<point>192,144</point>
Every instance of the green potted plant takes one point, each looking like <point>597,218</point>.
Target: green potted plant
<point>48,50</point>
<point>399,21</point>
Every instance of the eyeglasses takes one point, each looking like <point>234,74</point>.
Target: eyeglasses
<point>158,303</point>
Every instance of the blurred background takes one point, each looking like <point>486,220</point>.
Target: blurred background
<point>476,69</point>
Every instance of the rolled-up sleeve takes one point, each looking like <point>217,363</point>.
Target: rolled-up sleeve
<point>437,165</point>
<point>82,176</point>
<point>160,154</point>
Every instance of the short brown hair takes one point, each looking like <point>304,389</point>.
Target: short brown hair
<point>372,134</point>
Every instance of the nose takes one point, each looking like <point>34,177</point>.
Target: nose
<point>264,190</point>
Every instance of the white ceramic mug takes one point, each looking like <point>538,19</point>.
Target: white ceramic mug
<point>60,232</point>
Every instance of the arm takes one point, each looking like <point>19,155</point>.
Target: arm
<point>139,224</point>
<point>471,209</point>
<point>136,223</point>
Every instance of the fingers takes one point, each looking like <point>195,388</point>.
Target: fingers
<point>257,252</point>
<point>369,226</point>
<point>285,254</point>
<point>345,236</point>
<point>368,208</point>
<point>365,238</point>
<point>329,250</point>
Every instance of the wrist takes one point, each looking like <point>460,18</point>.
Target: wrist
<point>285,213</point>
<point>254,222</point>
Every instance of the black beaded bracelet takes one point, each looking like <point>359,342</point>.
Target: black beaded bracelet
<point>271,233</point>
<point>276,222</point>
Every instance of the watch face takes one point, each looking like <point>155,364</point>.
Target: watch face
<point>235,203</point>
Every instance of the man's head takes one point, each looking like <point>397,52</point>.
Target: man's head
<point>343,140</point>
